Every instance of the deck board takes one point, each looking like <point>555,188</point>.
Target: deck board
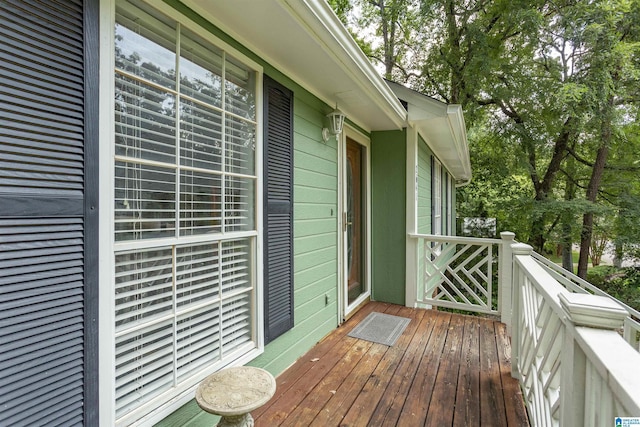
<point>467,410</point>
<point>444,370</point>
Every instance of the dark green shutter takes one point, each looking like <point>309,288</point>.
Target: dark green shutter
<point>48,219</point>
<point>278,209</point>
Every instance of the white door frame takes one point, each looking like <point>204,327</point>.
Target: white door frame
<point>346,309</point>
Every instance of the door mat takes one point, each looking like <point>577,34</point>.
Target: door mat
<point>380,328</point>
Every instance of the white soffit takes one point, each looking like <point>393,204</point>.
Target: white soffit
<point>442,127</point>
<point>306,41</point>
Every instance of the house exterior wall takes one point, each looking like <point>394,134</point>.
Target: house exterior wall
<point>454,211</point>
<point>315,237</point>
<point>316,233</point>
<point>424,202</point>
<point>388,215</point>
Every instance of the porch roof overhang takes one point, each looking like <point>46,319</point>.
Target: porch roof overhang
<point>443,128</point>
<point>307,42</point>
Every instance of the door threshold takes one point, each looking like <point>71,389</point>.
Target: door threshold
<point>356,308</point>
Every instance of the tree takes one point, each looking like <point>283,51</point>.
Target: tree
<point>607,30</point>
<point>549,83</point>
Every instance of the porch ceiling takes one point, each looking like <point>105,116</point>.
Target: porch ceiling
<point>305,40</point>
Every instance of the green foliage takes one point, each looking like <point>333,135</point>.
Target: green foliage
<point>342,8</point>
<point>621,283</point>
<point>544,86</point>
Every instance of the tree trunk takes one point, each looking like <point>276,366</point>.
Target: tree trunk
<point>453,32</point>
<point>619,254</point>
<point>567,255</point>
<point>594,185</point>
<point>538,239</point>
<point>568,218</point>
<point>543,186</point>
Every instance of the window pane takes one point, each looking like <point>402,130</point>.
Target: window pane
<point>239,204</point>
<point>240,146</point>
<point>144,366</point>
<point>145,202</point>
<point>236,265</point>
<point>236,322</point>
<point>200,136</point>
<point>198,340</point>
<point>197,275</point>
<point>144,286</point>
<point>200,203</point>
<point>240,89</point>
<point>200,69</point>
<point>145,121</point>
<point>145,44</point>
<point>185,166</point>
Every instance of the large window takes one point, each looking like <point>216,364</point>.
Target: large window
<point>185,208</point>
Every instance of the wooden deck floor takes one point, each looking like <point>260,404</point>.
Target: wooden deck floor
<point>445,370</point>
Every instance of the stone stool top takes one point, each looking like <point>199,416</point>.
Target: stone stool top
<point>235,391</point>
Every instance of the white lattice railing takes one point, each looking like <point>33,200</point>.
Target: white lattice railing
<point>460,273</point>
<point>573,283</point>
<point>573,366</point>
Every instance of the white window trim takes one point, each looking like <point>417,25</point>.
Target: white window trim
<point>450,208</point>
<point>106,222</point>
<point>437,197</point>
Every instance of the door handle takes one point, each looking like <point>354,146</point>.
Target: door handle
<point>345,222</point>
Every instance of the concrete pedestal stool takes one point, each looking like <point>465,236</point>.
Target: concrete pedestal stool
<point>234,392</point>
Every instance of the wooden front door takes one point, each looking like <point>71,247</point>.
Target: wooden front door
<point>355,220</point>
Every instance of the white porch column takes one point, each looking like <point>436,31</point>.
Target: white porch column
<point>412,262</point>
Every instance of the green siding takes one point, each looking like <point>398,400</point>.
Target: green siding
<point>424,204</point>
<point>315,238</point>
<point>424,187</point>
<point>388,215</point>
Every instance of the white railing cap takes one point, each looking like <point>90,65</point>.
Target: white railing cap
<point>521,249</point>
<point>507,235</point>
<point>593,310</point>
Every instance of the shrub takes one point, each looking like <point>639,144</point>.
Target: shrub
<point>620,283</point>
<point>598,275</point>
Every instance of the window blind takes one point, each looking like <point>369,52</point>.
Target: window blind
<point>185,184</point>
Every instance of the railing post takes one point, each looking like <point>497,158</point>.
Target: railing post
<point>516,312</point>
<point>505,279</point>
<point>582,310</point>
<point>411,281</point>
